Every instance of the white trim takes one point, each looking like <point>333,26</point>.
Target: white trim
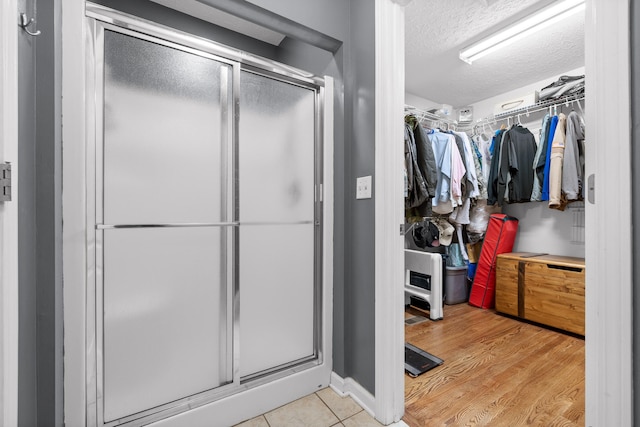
<point>350,387</point>
<point>327,222</point>
<point>254,402</point>
<point>359,394</point>
<point>609,374</point>
<point>74,230</point>
<point>9,215</point>
<point>389,243</point>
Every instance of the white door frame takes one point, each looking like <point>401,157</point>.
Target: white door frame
<point>609,313</point>
<point>389,210</point>
<point>609,380</point>
<point>9,214</point>
<point>74,235</point>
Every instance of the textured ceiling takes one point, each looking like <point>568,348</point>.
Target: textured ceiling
<point>437,30</point>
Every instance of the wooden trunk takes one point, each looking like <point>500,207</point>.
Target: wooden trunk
<point>546,289</point>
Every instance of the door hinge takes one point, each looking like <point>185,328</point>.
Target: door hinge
<point>5,182</point>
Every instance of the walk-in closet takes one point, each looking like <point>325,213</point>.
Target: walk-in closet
<point>495,193</point>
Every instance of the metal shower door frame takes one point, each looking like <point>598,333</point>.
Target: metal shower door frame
<point>99,19</point>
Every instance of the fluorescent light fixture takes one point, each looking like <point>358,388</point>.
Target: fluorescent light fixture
<point>521,29</point>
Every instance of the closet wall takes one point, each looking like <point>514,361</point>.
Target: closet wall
<point>541,229</point>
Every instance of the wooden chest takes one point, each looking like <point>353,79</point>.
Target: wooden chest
<point>547,289</point>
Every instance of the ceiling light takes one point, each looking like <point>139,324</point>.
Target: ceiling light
<point>537,21</point>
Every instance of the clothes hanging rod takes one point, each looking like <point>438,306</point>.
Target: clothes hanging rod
<point>516,113</point>
<point>424,115</point>
<point>540,106</point>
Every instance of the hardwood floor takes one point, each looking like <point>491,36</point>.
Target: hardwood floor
<point>497,371</point>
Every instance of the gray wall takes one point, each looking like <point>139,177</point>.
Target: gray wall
<point>27,261</point>
<point>354,69</point>
<point>48,159</point>
<point>359,237</point>
<point>40,386</point>
<point>320,62</point>
<point>635,191</point>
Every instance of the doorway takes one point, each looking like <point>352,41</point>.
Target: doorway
<point>608,395</point>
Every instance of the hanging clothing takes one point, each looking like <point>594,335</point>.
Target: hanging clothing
<point>442,144</point>
<point>472,186</point>
<point>516,174</point>
<point>538,176</point>
<point>504,175</point>
<point>458,173</point>
<point>573,164</point>
<point>461,150</point>
<point>542,160</point>
<point>426,159</point>
<point>420,171</point>
<point>555,169</point>
<point>547,164</point>
<point>492,183</point>
<point>484,143</point>
<point>417,192</point>
<point>480,179</point>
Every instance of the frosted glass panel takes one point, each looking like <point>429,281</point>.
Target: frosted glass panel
<point>276,295</point>
<point>162,134</point>
<point>164,317</point>
<point>276,150</point>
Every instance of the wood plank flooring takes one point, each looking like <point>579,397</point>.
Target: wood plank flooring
<point>497,371</point>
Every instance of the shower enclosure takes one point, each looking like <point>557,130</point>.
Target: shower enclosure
<point>204,221</point>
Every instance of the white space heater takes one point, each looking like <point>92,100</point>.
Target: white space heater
<point>423,279</point>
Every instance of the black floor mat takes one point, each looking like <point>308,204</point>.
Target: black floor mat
<point>418,361</point>
<point>414,320</point>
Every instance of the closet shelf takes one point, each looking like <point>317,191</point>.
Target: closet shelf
<point>543,105</point>
<point>540,106</point>
<point>432,119</point>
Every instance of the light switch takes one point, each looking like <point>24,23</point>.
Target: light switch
<point>363,187</point>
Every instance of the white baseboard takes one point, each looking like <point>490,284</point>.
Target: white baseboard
<point>350,387</point>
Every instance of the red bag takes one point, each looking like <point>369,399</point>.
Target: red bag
<point>499,239</point>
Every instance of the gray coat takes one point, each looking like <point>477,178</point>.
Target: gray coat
<point>426,160</point>
<point>417,192</point>
<point>573,162</point>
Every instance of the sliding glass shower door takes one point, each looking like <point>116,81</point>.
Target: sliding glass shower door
<point>207,228</point>
<point>277,212</point>
<point>165,226</point>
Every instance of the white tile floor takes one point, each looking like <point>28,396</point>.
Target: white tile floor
<point>324,408</point>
